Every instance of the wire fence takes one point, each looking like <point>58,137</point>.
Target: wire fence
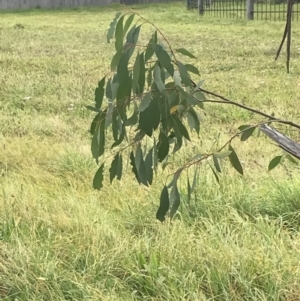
<point>273,10</point>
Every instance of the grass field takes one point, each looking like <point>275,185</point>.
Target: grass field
<point>61,240</point>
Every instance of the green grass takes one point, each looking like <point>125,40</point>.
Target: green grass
<point>61,240</point>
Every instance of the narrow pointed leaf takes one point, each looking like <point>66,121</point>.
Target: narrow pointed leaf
<point>93,109</point>
<point>140,166</point>
<point>128,23</point>
<point>174,200</point>
<point>185,52</point>
<point>192,68</point>
<point>274,162</point>
<point>149,118</point>
<point>216,163</point>
<point>136,73</point>
<point>120,167</point>
<point>163,147</point>
<point>177,78</point>
<point>116,59</point>
<point>189,190</point>
<point>222,155</point>
<point>98,178</point>
<point>247,133</point>
<point>164,58</point>
<point>132,38</point>
<point>178,135</point>
<point>164,205</point>
<point>111,30</point>
<point>215,174</point>
<point>114,167</point>
<point>98,140</point>
<point>142,76</point>
<point>149,166</point>
<point>99,93</point>
<point>119,34</point>
<point>133,119</point>
<point>182,128</point>
<point>145,102</point>
<point>150,51</point>
<point>235,162</point>
<point>193,120</point>
<point>185,77</point>
<point>158,79</point>
<point>132,163</point>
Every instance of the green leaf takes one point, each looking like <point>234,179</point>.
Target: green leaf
<point>140,166</point>
<point>122,70</point>
<point>142,75</point>
<point>150,51</point>
<point>200,96</point>
<point>132,163</point>
<point>120,167</point>
<point>108,90</point>
<point>111,30</point>
<point>150,118</point>
<point>149,76</point>
<point>216,163</point>
<point>164,58</point>
<point>182,128</point>
<point>145,102</point>
<point>192,68</point>
<point>133,119</point>
<point>189,190</point>
<point>119,34</point>
<point>235,162</point>
<point>99,93</point>
<point>185,77</point>
<point>127,24</point>
<point>164,205</point>
<point>116,59</point>
<point>215,174</point>
<point>124,90</point>
<point>98,140</point>
<point>174,200</point>
<point>189,98</point>
<point>132,38</point>
<point>222,155</point>
<point>114,167</point>
<point>158,79</point>
<point>178,135</point>
<point>121,137</point>
<point>177,79</point>
<point>95,122</point>
<point>98,178</point>
<point>136,73</point>
<point>163,147</point>
<point>247,133</point>
<point>155,155</point>
<point>91,108</point>
<point>193,120</point>
<point>149,166</point>
<point>274,162</point>
<point>185,52</point>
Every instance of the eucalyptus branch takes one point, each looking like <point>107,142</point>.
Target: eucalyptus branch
<point>160,32</point>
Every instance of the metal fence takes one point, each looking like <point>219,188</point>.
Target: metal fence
<point>250,9</point>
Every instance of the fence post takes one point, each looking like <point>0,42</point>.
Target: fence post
<point>201,7</point>
<point>250,9</point>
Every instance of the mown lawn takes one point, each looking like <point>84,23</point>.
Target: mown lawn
<point>61,240</point>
